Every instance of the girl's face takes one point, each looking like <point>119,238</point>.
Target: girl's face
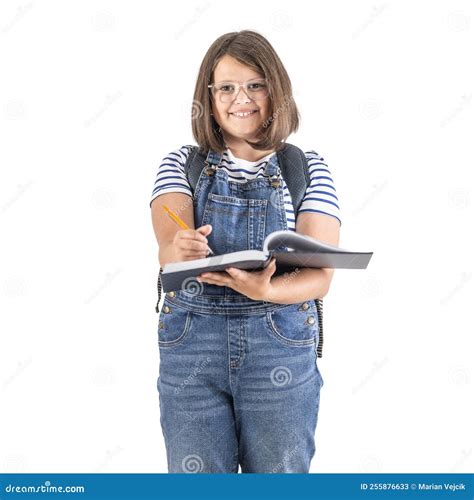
<point>233,127</point>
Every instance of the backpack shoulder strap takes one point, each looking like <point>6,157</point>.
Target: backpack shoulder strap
<point>194,165</point>
<point>294,170</point>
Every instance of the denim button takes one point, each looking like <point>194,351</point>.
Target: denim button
<point>166,309</point>
<point>311,320</point>
<point>172,294</point>
<point>305,306</point>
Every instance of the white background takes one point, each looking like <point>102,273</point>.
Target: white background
<point>95,93</point>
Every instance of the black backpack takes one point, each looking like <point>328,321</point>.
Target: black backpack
<point>294,170</point>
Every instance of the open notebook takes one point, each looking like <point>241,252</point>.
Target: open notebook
<point>297,251</point>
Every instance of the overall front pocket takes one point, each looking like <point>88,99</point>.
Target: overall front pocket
<point>294,324</point>
<point>173,324</point>
<point>237,223</point>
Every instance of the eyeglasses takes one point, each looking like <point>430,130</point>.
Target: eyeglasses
<point>227,91</point>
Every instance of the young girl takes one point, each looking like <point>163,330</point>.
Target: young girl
<point>239,382</point>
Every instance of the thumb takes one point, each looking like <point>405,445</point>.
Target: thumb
<point>271,268</point>
<point>205,230</point>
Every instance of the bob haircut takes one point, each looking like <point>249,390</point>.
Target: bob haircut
<point>253,50</point>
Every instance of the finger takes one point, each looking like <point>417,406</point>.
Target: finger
<point>237,274</point>
<point>193,246</point>
<point>191,234</point>
<point>218,276</point>
<point>193,256</point>
<point>211,281</point>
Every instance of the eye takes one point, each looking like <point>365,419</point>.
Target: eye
<point>226,88</point>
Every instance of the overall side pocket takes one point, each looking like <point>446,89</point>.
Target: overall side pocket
<point>173,324</point>
<point>294,324</point>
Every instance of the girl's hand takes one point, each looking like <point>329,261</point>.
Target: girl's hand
<point>256,284</point>
<point>190,244</point>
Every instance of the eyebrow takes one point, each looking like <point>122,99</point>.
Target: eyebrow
<point>235,81</point>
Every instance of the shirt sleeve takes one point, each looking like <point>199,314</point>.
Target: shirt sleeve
<point>320,196</point>
<point>171,176</point>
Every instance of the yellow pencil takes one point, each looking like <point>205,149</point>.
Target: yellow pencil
<point>181,223</point>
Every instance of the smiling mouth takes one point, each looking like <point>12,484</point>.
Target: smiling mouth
<point>244,115</point>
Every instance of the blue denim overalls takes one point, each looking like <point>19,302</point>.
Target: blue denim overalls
<point>238,382</point>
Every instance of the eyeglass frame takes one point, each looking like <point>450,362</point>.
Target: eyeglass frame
<point>239,86</point>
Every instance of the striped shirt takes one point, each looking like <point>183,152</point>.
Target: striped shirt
<point>320,196</point>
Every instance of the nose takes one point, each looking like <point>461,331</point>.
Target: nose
<point>242,96</point>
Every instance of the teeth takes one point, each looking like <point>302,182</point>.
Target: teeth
<point>244,114</point>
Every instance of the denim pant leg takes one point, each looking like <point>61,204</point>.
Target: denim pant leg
<point>196,406</point>
<point>276,396</point>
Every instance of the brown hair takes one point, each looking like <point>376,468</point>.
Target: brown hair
<point>253,50</point>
